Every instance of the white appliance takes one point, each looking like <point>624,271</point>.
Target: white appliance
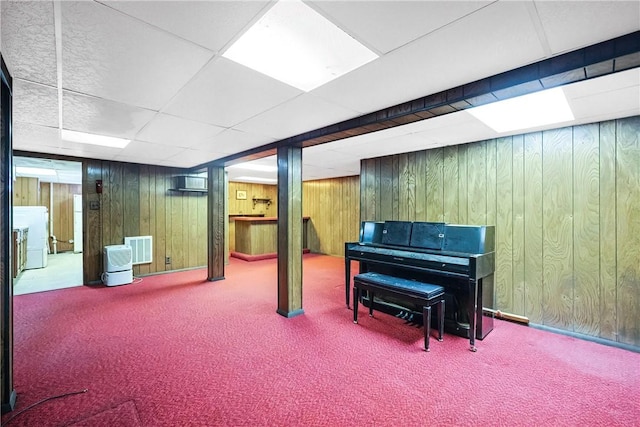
<point>36,218</point>
<point>117,265</point>
<point>77,223</point>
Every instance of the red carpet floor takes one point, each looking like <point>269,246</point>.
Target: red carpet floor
<point>176,350</point>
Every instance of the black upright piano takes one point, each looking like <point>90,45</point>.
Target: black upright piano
<point>458,257</point>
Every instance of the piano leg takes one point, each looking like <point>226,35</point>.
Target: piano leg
<point>426,318</point>
<point>440,314</point>
<point>347,279</point>
<point>473,308</point>
<point>355,305</point>
<point>370,304</point>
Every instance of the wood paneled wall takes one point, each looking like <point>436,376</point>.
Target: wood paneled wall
<point>565,204</point>
<point>137,201</point>
<point>62,211</point>
<point>26,191</point>
<point>246,206</point>
<point>333,206</point>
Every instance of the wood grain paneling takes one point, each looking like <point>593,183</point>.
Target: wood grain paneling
<point>533,226</point>
<point>628,229</point>
<point>26,191</point>
<point>61,211</point>
<point>517,241</point>
<point>607,298</point>
<point>435,185</point>
<point>565,203</point>
<point>333,208</point>
<point>586,228</point>
<point>504,232</point>
<point>247,206</point>
<point>136,200</point>
<point>451,192</point>
<point>557,224</point>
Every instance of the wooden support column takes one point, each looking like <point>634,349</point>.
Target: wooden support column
<point>215,222</point>
<point>290,231</point>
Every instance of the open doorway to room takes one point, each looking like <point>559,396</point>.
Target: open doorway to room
<point>47,224</point>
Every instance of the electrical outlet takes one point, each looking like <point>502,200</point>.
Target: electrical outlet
<point>167,260</point>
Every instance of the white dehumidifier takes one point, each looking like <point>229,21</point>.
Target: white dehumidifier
<point>117,265</point>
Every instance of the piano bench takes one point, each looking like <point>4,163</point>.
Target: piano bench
<point>419,293</point>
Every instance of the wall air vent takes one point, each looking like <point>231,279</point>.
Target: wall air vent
<point>141,249</point>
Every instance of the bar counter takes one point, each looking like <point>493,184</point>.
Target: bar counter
<point>257,237</point>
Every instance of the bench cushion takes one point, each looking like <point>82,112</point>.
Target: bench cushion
<point>427,290</point>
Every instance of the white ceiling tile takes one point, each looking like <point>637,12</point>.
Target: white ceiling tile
<point>32,137</point>
<point>301,114</point>
<point>496,38</point>
<point>175,131</point>
<point>208,23</point>
<point>110,55</point>
<point>35,103</point>
<point>608,105</point>
<point>232,141</point>
<point>188,158</point>
<point>103,117</point>
<point>611,82</point>
<point>225,94</point>
<point>141,149</point>
<point>369,21</point>
<point>569,25</point>
<point>28,42</point>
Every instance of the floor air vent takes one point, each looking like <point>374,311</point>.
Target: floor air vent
<point>140,249</point>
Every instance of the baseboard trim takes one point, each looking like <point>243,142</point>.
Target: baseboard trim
<point>585,337</point>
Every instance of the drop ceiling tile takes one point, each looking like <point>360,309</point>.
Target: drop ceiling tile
<point>569,25</point>
<point>208,23</point>
<point>103,117</point>
<point>607,83</point>
<point>498,37</point>
<point>232,141</point>
<point>35,103</point>
<point>188,158</point>
<point>175,131</point>
<point>226,93</point>
<point>369,22</point>
<point>607,105</point>
<point>28,42</point>
<point>301,114</point>
<point>140,149</point>
<point>30,137</point>
<point>111,55</point>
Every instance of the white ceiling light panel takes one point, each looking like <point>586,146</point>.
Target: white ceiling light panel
<point>525,112</point>
<point>296,45</point>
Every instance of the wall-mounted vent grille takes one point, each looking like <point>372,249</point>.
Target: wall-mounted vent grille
<point>141,249</point>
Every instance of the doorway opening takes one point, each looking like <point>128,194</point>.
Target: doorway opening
<point>47,224</point>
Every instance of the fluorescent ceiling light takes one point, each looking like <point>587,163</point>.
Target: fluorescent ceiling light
<point>524,112</point>
<point>296,45</point>
<point>253,178</point>
<point>90,138</point>
<point>25,170</point>
<point>252,167</point>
